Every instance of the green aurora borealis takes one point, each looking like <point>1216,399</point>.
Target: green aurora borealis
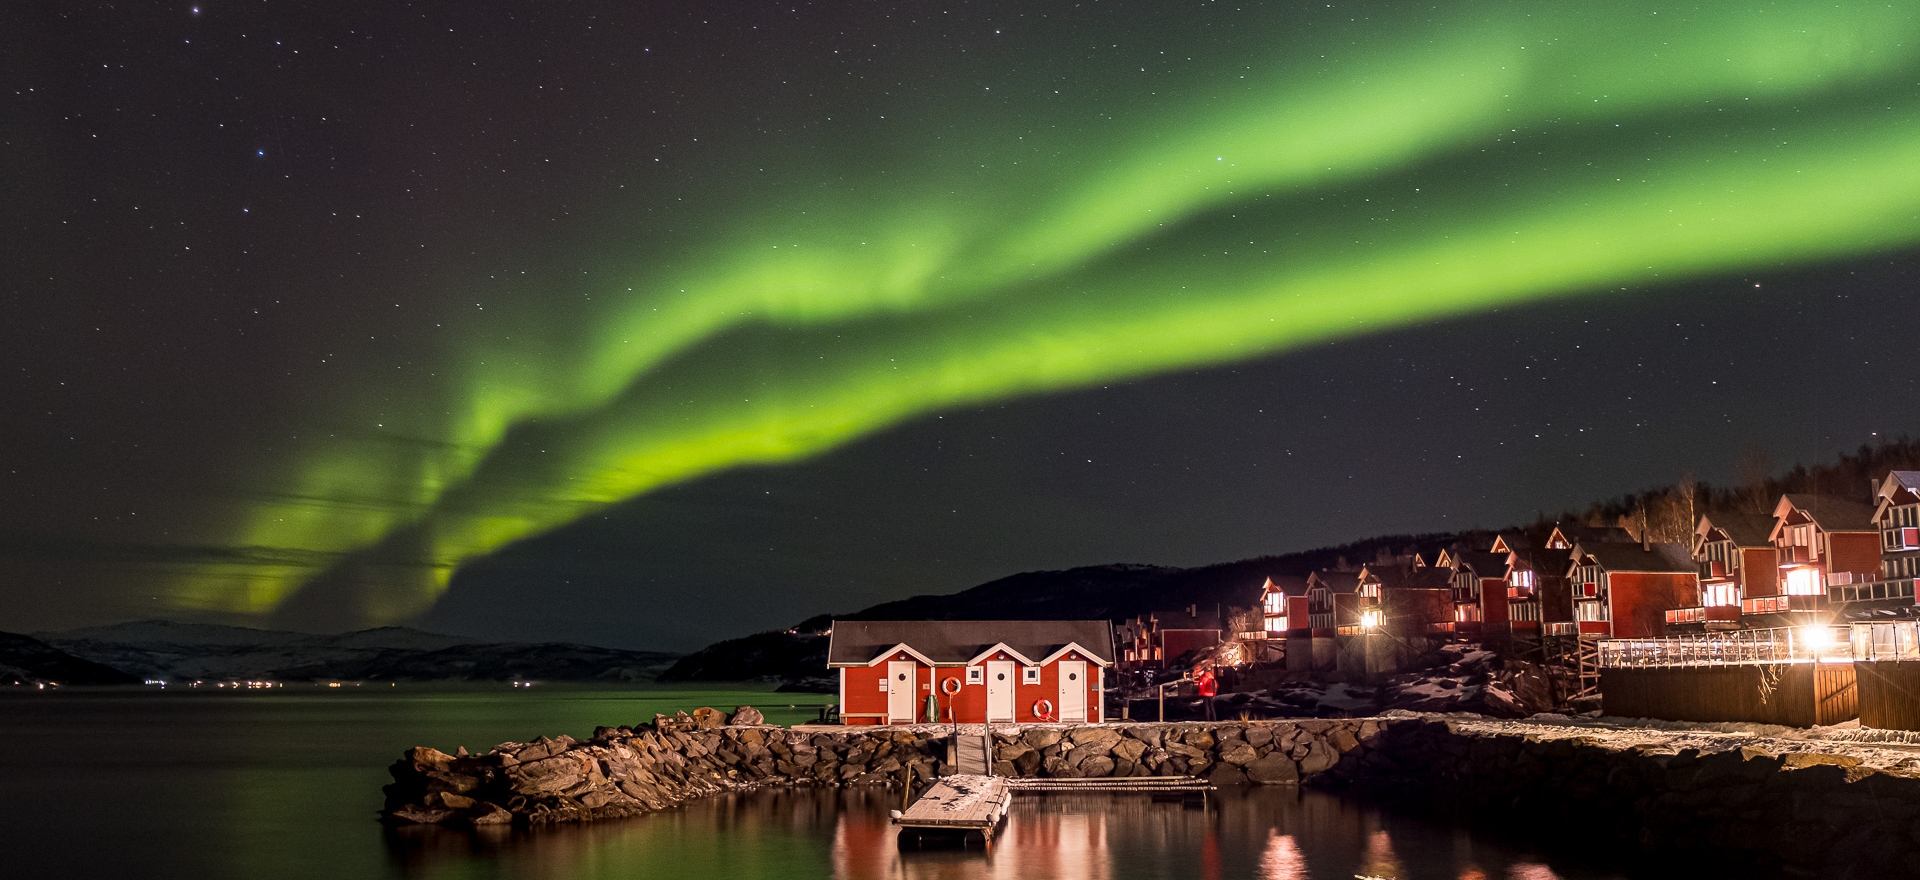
<point>1291,184</point>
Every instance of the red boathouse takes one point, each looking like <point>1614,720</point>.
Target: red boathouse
<point>974,670</point>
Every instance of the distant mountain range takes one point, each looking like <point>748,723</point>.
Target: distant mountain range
<point>797,657</point>
<point>182,652</point>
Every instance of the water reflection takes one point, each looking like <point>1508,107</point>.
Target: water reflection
<point>1268,834</point>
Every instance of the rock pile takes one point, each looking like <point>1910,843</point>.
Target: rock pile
<point>626,771</point>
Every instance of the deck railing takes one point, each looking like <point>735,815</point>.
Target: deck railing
<point>1891,640</point>
<point>1800,644</point>
<point>1901,588</point>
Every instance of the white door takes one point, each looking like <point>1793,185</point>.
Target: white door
<point>1073,690</point>
<point>1000,682</point>
<point>900,691</point>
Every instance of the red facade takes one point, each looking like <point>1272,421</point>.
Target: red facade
<point>865,691</point>
<point>1639,600</point>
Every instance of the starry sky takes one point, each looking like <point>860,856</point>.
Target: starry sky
<point>646,324</point>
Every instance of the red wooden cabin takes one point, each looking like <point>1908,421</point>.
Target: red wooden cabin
<point>1737,563</point>
<point>1625,590</point>
<point>1822,542</point>
<point>975,670</point>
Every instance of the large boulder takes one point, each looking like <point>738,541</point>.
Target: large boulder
<point>1274,769</point>
<point>1200,739</point>
<point>1259,735</point>
<point>490,814</point>
<point>1240,754</point>
<point>1320,758</point>
<point>1042,737</point>
<point>1183,750</point>
<point>1096,766</point>
<point>1099,738</point>
<point>747,716</point>
<point>1129,750</point>
<point>551,775</point>
<point>707,717</point>
<point>1226,774</point>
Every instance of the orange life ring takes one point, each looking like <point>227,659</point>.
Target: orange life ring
<point>1043,710</point>
<point>950,686</point>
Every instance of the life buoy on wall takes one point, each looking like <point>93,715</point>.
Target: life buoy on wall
<point>1043,710</point>
<point>950,686</point>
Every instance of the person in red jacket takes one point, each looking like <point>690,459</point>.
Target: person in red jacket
<point>1207,687</point>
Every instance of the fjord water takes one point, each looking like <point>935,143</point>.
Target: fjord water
<point>285,784</point>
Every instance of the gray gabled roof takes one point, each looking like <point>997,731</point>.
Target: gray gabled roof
<point>1664,557</point>
<point>858,642</point>
<point>1833,514</point>
<point>1744,529</point>
<point>1483,563</point>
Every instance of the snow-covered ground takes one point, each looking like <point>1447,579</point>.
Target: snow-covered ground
<point>1457,678</point>
<point>1892,750</point>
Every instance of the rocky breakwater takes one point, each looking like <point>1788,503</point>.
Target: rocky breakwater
<point>628,771</point>
<point>1719,805</point>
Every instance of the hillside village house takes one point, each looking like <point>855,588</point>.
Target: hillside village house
<point>1154,641</point>
<point>970,671</point>
<point>1283,606</point>
<point>1479,592</point>
<point>1821,542</point>
<point>1407,599</point>
<point>1624,590</point>
<point>1737,564</point>
<point>1896,513</point>
<point>1324,589</point>
<point>1539,601</point>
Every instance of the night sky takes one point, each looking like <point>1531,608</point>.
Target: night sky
<point>646,324</point>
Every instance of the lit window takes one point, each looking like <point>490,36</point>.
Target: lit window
<point>1803,582</point>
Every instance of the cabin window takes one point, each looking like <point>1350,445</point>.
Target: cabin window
<point>976,675</point>
<point>1589,611</point>
<point>1029,675</point>
<point>1803,582</point>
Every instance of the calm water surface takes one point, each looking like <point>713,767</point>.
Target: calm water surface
<point>211,786</point>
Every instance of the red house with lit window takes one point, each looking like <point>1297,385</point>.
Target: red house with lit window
<point>1739,568</point>
<point>1479,592</point>
<point>1823,543</point>
<point>1283,607</point>
<point>1896,513</point>
<point>974,671</point>
<point>1539,602</point>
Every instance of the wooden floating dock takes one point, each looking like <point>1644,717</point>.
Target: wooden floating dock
<point>963,809</point>
<point>955,809</point>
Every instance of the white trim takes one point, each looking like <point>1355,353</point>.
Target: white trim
<point>997,648</point>
<point>843,694</point>
<point>903,646</point>
<point>1075,646</point>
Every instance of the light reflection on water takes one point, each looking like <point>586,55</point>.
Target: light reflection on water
<point>284,785</point>
<point>1267,834</point>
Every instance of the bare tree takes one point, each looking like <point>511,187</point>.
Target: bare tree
<point>1755,472</point>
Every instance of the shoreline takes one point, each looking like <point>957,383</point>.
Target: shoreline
<point>1766,805</point>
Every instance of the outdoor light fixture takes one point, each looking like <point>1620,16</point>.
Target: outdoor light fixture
<point>1817,639</point>
<point>1369,619</point>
